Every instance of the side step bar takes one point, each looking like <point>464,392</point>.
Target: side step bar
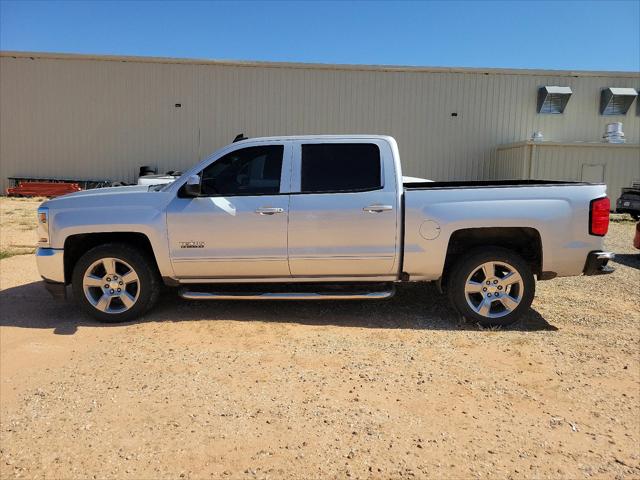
<point>189,295</point>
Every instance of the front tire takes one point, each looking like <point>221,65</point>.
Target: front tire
<point>115,283</point>
<point>491,286</point>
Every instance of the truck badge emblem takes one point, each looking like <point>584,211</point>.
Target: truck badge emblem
<point>191,244</point>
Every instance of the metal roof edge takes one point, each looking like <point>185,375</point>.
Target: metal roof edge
<point>317,66</point>
<point>566,144</point>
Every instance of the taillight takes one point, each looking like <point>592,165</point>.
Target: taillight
<point>599,216</point>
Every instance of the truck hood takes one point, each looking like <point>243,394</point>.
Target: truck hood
<point>98,197</point>
<point>108,191</point>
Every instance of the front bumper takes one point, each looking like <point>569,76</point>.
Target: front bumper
<point>596,263</point>
<point>51,264</point>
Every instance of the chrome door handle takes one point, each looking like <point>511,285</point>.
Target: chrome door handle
<point>377,208</point>
<point>269,210</point>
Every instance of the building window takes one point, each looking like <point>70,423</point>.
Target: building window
<point>553,99</point>
<point>616,101</point>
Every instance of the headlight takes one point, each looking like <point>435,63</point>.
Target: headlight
<point>43,225</point>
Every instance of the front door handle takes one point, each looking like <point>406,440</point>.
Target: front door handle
<point>377,208</point>
<point>269,210</point>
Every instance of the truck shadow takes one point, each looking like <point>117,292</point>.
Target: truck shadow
<point>628,259</point>
<point>417,306</point>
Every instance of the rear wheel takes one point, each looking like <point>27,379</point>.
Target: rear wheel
<point>115,283</point>
<point>491,286</point>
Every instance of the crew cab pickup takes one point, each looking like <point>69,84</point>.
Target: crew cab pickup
<point>319,217</point>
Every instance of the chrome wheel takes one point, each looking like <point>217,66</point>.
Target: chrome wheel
<point>111,285</point>
<point>494,289</point>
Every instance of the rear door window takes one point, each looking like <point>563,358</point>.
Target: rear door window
<point>340,167</point>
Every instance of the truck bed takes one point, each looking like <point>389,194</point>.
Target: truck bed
<point>553,213</point>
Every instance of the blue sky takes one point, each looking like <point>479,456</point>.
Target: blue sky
<point>585,35</point>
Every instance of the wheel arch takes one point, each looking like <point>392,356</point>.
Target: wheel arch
<point>525,241</point>
<point>77,245</point>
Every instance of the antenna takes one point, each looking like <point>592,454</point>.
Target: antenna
<point>239,137</point>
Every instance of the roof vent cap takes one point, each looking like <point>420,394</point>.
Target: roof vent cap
<point>614,133</point>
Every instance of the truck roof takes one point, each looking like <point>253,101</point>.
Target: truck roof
<point>317,137</point>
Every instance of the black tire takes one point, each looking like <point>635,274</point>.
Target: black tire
<point>146,288</point>
<point>470,264</point>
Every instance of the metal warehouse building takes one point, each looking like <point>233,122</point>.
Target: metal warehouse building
<point>102,117</point>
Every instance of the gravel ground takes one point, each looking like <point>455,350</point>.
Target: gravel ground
<point>388,389</point>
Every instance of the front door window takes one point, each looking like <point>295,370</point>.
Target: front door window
<point>248,171</point>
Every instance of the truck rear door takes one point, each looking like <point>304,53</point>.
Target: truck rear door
<point>344,209</point>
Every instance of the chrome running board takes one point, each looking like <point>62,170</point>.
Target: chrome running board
<point>189,295</point>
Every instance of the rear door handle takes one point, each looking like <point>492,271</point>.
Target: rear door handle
<point>377,208</point>
<point>269,210</point>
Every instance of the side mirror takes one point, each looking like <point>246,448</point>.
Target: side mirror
<point>192,187</point>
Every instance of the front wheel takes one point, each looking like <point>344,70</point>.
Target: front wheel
<point>115,283</point>
<point>491,286</point>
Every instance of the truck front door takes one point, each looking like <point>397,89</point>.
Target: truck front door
<point>237,228</point>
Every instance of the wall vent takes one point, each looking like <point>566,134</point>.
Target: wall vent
<point>553,99</point>
<point>616,101</point>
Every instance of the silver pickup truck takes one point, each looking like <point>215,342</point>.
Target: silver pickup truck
<point>319,217</point>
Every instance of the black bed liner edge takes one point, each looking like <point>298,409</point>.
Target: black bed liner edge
<point>491,184</point>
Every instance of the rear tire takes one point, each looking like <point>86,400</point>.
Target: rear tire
<point>115,282</point>
<point>491,286</point>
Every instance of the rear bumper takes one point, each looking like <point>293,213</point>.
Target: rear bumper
<point>596,263</point>
<point>51,264</point>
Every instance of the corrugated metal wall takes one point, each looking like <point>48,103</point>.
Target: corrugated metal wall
<point>91,118</point>
<point>620,164</point>
<point>511,161</point>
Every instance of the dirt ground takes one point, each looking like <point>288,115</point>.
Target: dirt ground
<point>17,226</point>
<point>390,389</point>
